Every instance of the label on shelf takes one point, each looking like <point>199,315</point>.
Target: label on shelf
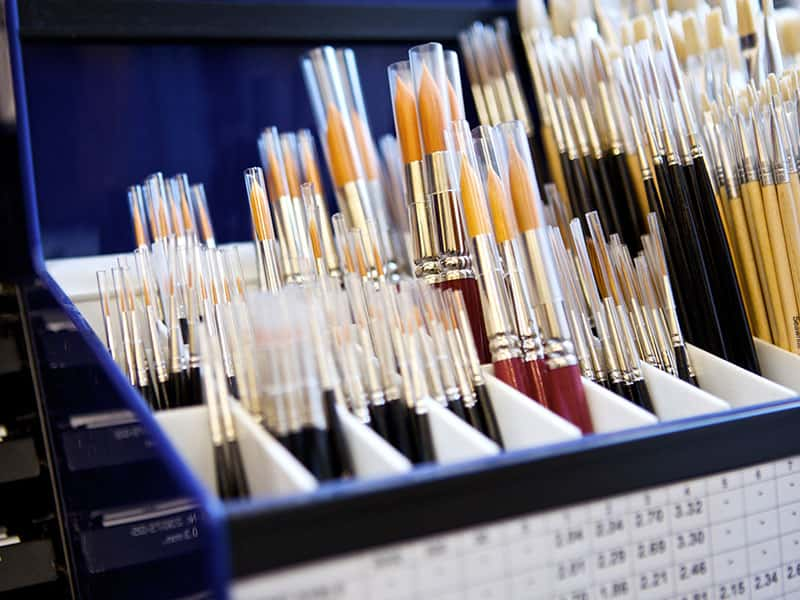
<point>733,535</point>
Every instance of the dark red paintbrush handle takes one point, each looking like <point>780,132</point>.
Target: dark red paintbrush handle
<point>512,372</point>
<point>537,373</point>
<point>566,398</point>
<point>472,300</point>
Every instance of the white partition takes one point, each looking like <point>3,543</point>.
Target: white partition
<point>737,386</point>
<point>778,365</point>
<point>675,399</point>
<point>372,455</point>
<point>611,412</point>
<point>271,470</point>
<point>453,439</point>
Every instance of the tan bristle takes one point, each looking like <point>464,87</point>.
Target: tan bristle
<point>787,89</point>
<point>733,50</point>
<point>763,97</point>
<point>626,33</point>
<point>681,5</point>
<point>745,19</point>
<point>705,103</point>
<point>642,29</point>
<point>678,41</point>
<point>715,30</point>
<point>693,36</point>
<point>773,85</point>
<point>788,26</point>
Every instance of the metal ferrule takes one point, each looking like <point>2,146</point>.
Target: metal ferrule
<point>378,198</point>
<point>356,395</point>
<point>591,130</point>
<point>581,346</point>
<point>559,353</point>
<point>299,218</point>
<point>269,265</point>
<point>609,341</point>
<point>554,121</point>
<point>445,201</point>
<point>503,101</point>
<point>109,329</point>
<point>644,340</point>
<point>503,342</point>
<point>536,74</point>
<point>326,237</point>
<point>570,147</point>
<point>597,362</point>
<point>580,134</point>
<point>550,312</point>
<point>158,360</point>
<point>421,220</point>
<point>353,198</point>
<point>222,332</point>
<point>529,335</point>
<point>432,375</point>
<point>659,327</point>
<point>174,337</point>
<point>140,358</point>
<point>480,102</point>
<point>127,346</point>
<point>461,375</point>
<point>650,130</point>
<point>289,239</point>
<point>614,138</point>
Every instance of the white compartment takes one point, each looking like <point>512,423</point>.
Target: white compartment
<point>778,365</point>
<point>271,469</point>
<point>673,398</point>
<point>372,455</point>
<point>453,439</point>
<point>739,387</point>
<point>611,412</point>
<point>523,422</point>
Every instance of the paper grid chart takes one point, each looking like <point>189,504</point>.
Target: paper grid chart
<point>733,535</point>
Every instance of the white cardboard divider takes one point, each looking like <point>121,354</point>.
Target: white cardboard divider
<point>778,365</point>
<point>372,455</point>
<point>611,412</point>
<point>271,469</point>
<point>739,387</point>
<point>523,422</point>
<point>673,398</point>
<point>453,439</point>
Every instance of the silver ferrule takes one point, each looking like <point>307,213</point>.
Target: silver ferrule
<point>524,316</point>
<point>581,346</point>
<point>110,338</point>
<point>580,134</point>
<point>326,236</point>
<point>550,312</point>
<point>614,137</point>
<point>222,333</point>
<point>662,340</point>
<point>444,199</point>
<point>127,345</point>
<point>422,224</point>
<point>503,341</point>
<point>155,342</point>
<point>591,130</point>
<point>289,239</point>
<point>610,346</point>
<point>174,337</point>
<point>644,340</point>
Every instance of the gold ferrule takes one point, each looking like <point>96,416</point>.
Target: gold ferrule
<point>444,199</point>
<point>353,198</point>
<point>555,123</point>
<point>524,317</point>
<point>610,346</point>
<point>570,146</point>
<point>421,220</point>
<point>494,300</point>
<point>480,103</point>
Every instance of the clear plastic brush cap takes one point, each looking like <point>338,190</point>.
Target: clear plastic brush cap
<point>259,205</point>
<point>455,95</point>
<point>156,197</point>
<point>430,87</point>
<point>181,193</point>
<point>328,103</point>
<point>354,98</point>
<point>138,216</point>
<point>203,216</point>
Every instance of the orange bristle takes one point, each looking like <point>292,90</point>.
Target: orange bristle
<point>366,148</point>
<point>505,226</point>
<point>431,113</point>
<point>405,109</point>
<point>343,170</point>
<point>523,196</point>
<point>475,212</point>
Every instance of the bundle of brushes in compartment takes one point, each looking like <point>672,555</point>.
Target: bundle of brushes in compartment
<point>618,131</point>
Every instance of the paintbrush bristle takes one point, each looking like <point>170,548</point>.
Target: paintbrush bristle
<point>788,25</point>
<point>642,29</point>
<point>692,35</point>
<point>715,30</point>
<point>431,113</point>
<point>366,148</point>
<point>475,213</point>
<point>745,19</point>
<point>405,113</point>
<point>343,170</point>
<point>505,225</point>
<point>523,196</point>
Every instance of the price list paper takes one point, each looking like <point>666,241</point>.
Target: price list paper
<point>733,535</point>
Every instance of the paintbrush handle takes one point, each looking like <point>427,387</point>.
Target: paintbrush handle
<point>567,398</point>
<point>488,416</point>
<point>341,459</point>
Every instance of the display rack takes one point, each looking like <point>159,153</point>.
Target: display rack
<point>139,516</point>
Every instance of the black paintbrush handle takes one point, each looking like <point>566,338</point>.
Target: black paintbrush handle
<point>317,452</point>
<point>682,364</point>
<point>475,417</point>
<point>224,487</point>
<point>484,401</point>
<point>540,166</point>
<point>618,387</point>
<point>379,419</point>
<point>641,395</point>
<point>195,388</point>
<point>296,444</point>
<point>400,435</point>
<point>456,406</point>
<point>623,199</point>
<point>341,459</point>
<point>573,201</point>
<point>604,200</point>
<point>425,447</point>
<point>241,487</point>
